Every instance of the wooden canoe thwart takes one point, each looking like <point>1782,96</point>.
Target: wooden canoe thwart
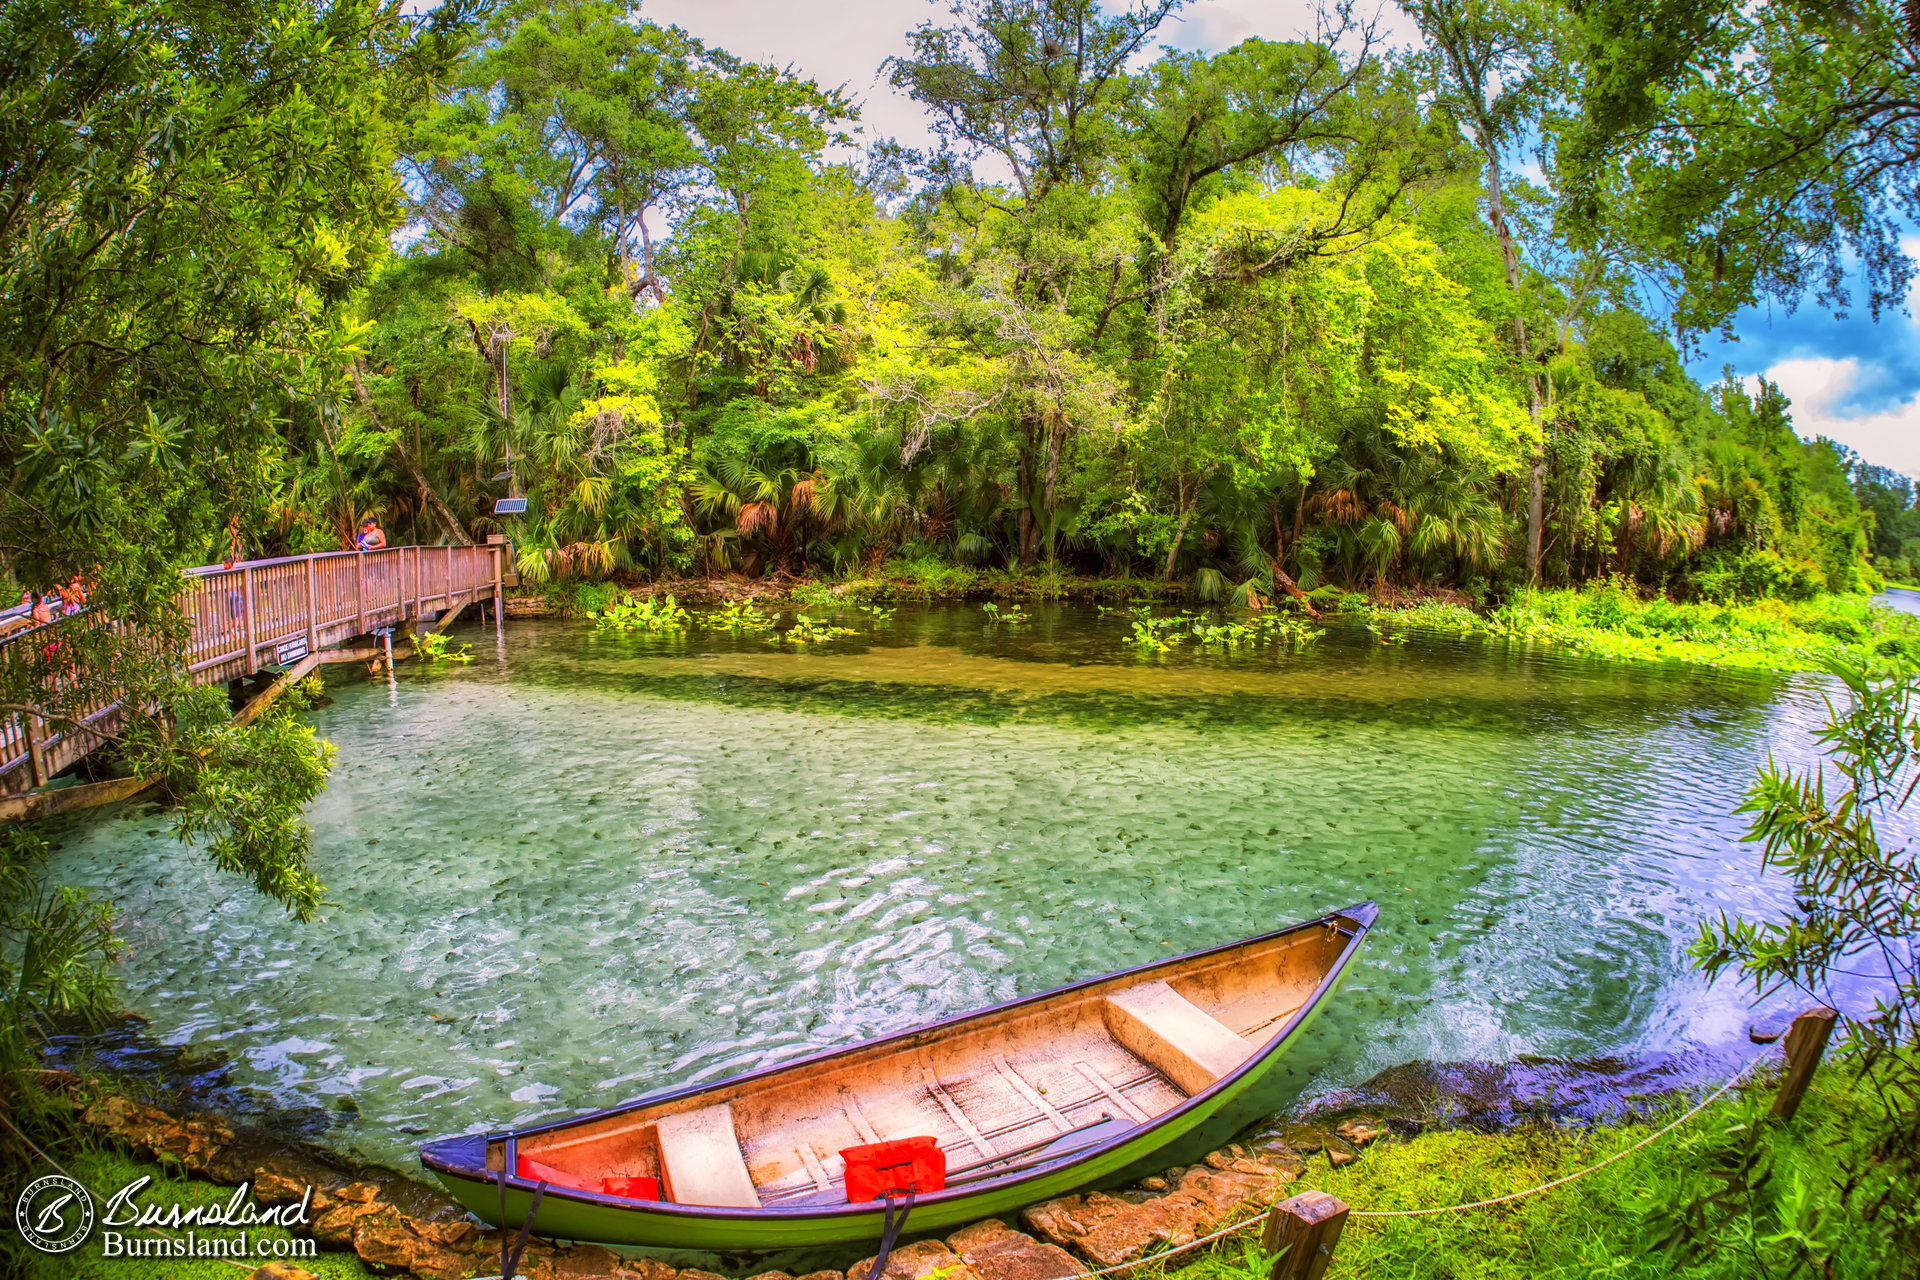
<point>1095,1083</point>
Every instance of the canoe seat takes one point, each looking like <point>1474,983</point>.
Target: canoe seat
<point>701,1156</point>
<point>1174,1036</point>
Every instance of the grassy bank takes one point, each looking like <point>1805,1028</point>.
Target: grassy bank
<point>106,1171</point>
<point>1610,622</point>
<point>1781,1218</point>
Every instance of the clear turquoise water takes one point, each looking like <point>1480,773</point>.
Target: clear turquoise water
<point>589,866</point>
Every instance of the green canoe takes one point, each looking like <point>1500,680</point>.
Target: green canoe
<point>1094,1084</point>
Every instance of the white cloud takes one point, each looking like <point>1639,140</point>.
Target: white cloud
<point>1819,387</point>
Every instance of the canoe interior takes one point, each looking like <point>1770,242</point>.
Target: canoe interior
<point>999,1090</point>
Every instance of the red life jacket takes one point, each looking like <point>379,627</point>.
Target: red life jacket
<point>895,1167</point>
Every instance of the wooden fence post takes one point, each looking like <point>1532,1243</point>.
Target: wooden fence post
<point>313,615</point>
<point>1806,1043</point>
<point>246,604</point>
<point>360,593</point>
<point>1307,1228</point>
<point>36,764</point>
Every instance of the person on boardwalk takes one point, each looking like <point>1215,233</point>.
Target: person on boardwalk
<point>371,538</point>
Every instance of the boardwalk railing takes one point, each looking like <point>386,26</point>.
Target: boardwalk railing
<point>257,614</point>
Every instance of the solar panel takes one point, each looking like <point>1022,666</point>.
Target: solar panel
<point>509,506</point>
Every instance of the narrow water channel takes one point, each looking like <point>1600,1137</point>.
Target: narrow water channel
<point>588,866</point>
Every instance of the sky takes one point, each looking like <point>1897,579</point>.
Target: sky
<point>1851,379</point>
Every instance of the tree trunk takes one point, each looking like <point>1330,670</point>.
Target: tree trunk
<point>1028,528</point>
<point>1292,588</point>
<point>1055,438</point>
<point>1510,260</point>
<point>440,512</point>
<point>1187,508</point>
<point>1536,510</point>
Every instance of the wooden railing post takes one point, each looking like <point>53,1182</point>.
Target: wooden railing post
<point>1306,1228</point>
<point>360,593</point>
<point>1806,1043</point>
<point>313,613</point>
<point>246,605</point>
<point>36,765</point>
<point>449,575</point>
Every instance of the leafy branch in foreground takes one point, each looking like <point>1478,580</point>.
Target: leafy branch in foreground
<point>55,948</point>
<point>240,789</point>
<point>1857,916</point>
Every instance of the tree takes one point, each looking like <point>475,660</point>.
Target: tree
<point>1756,151</point>
<point>1487,58</point>
<point>189,193</point>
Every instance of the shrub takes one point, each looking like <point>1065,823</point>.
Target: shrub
<point>1853,906</point>
<point>579,599</point>
<point>1749,573</point>
<point>1332,599</point>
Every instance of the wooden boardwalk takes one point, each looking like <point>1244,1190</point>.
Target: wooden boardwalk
<point>259,614</point>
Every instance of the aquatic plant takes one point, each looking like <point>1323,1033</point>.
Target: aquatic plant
<point>643,615</point>
<point>434,646</point>
<point>739,615</point>
<point>1013,615</point>
<point>1156,634</point>
<point>806,630</point>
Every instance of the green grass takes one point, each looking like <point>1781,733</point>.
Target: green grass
<point>1600,1225</point>
<point>1611,621</point>
<point>105,1172</point>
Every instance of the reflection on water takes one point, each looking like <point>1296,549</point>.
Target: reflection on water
<point>609,864</point>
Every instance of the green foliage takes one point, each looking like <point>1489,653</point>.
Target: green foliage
<point>1435,615</point>
<point>810,630</point>
<point>582,599</point>
<point>435,646</point>
<point>105,1170</point>
<point>56,949</point>
<point>1611,620</point>
<point>739,615</point>
<point>1332,599</point>
<point>1605,1224</point>
<point>1213,316</point>
<point>1754,573</point>
<point>1758,151</point>
<point>643,615</point>
<point>241,790</point>
<point>1857,911</point>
